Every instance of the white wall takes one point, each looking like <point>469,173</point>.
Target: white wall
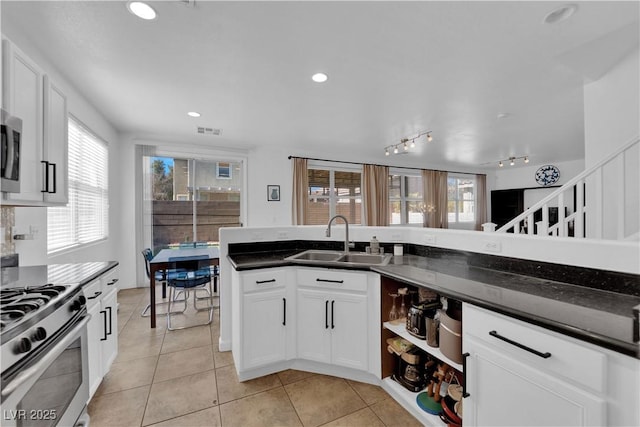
<point>612,109</point>
<point>612,118</point>
<point>511,177</point>
<point>268,167</point>
<point>33,252</point>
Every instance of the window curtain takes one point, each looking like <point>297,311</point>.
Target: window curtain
<point>434,184</point>
<point>481,201</point>
<point>375,194</point>
<point>300,191</point>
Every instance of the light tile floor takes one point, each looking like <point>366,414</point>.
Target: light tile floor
<point>179,378</point>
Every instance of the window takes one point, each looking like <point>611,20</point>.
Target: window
<point>461,199</point>
<point>333,192</point>
<point>86,218</point>
<point>405,199</point>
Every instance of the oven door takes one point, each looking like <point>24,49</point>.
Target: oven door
<point>53,388</point>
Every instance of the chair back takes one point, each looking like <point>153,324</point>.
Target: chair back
<point>148,256</point>
<point>195,271</point>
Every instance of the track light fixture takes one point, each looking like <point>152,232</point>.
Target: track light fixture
<point>406,143</point>
<point>512,160</point>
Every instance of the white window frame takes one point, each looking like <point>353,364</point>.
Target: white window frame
<point>457,177</point>
<point>403,199</point>
<point>333,197</point>
<point>80,189</point>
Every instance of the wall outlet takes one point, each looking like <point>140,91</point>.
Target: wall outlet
<point>492,246</point>
<point>430,238</point>
<point>282,235</point>
<point>257,236</point>
<point>396,237</point>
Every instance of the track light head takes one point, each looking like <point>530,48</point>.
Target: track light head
<point>429,137</point>
<point>500,164</point>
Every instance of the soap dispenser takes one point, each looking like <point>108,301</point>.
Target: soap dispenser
<point>375,245</point>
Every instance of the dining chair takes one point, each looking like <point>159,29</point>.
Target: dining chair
<point>196,276</point>
<point>160,276</point>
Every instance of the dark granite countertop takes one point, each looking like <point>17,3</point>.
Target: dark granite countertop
<point>599,316</point>
<point>81,273</point>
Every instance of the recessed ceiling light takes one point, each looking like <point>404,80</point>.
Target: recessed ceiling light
<point>141,10</point>
<point>560,14</point>
<point>319,77</point>
<point>193,114</point>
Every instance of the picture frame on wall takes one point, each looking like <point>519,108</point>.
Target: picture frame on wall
<point>273,193</point>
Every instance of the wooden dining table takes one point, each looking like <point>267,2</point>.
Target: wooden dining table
<point>172,258</point>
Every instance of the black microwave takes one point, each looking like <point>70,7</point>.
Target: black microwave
<point>10,153</point>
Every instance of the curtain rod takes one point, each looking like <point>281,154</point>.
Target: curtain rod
<point>374,164</point>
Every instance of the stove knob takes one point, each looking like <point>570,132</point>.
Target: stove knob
<point>22,346</point>
<point>78,303</point>
<point>39,334</point>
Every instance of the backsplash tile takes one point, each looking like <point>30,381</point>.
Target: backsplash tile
<point>7,221</point>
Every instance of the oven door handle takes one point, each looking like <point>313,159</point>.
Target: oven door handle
<point>46,359</point>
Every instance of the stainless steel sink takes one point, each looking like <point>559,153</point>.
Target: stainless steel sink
<point>316,256</point>
<point>363,258</point>
<point>336,258</point>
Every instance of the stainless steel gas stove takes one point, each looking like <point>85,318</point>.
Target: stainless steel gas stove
<point>43,345</point>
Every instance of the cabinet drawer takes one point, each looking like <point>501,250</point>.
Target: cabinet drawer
<point>109,280</point>
<point>332,279</point>
<point>263,279</point>
<point>93,293</point>
<point>567,358</point>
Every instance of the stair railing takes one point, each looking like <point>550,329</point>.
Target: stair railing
<point>574,223</point>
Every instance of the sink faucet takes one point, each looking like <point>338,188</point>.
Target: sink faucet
<point>346,231</point>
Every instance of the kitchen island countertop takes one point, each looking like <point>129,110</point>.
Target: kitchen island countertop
<point>599,316</point>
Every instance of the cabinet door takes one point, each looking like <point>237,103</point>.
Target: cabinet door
<point>55,143</point>
<point>349,332</point>
<point>264,328</point>
<point>109,329</point>
<point>314,333</point>
<point>22,91</point>
<point>504,391</point>
<point>94,334</point>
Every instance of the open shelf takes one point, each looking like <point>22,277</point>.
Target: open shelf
<point>400,330</point>
<point>408,401</point>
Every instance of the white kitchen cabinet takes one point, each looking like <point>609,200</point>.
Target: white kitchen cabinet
<point>42,106</point>
<point>93,292</point>
<point>102,329</point>
<point>55,145</point>
<point>267,318</point>
<point>333,317</point>
<point>520,374</point>
<point>109,309</point>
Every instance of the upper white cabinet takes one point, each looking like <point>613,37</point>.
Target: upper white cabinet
<point>31,96</point>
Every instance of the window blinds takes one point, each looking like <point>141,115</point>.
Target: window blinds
<point>86,217</point>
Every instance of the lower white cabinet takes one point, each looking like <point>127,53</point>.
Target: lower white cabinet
<point>281,314</point>
<point>520,374</point>
<point>332,324</point>
<point>102,329</point>
<point>267,317</point>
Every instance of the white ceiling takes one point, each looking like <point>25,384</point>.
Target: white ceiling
<point>395,69</point>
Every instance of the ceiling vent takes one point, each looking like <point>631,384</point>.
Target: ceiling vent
<point>209,131</point>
